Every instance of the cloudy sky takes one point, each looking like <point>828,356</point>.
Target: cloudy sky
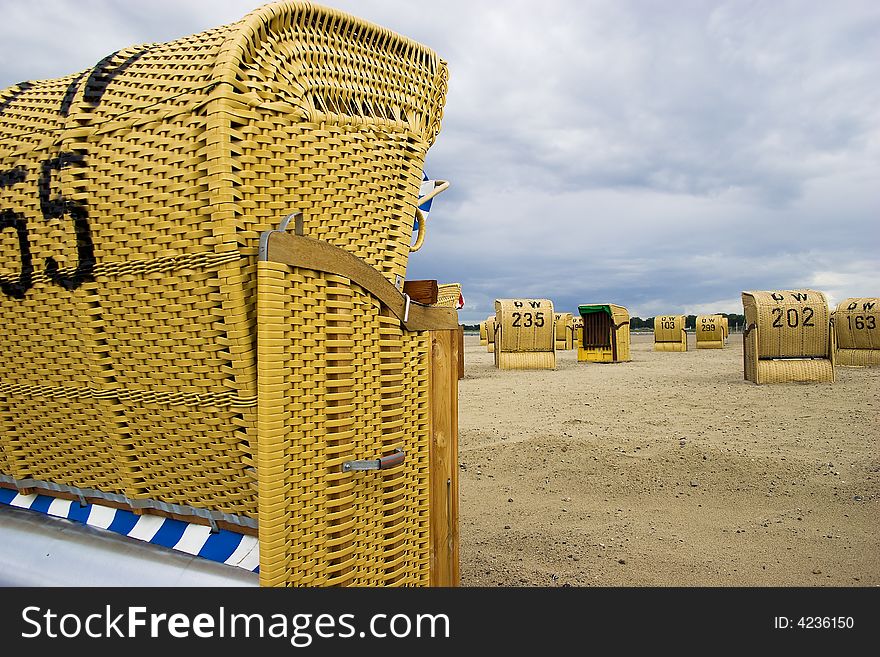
<point>661,155</point>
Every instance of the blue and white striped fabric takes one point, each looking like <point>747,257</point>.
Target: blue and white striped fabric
<point>426,188</point>
<point>227,547</point>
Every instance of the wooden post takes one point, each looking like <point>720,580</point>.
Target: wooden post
<point>461,352</point>
<point>443,458</point>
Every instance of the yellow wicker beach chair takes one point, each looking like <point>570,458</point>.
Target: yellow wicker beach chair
<point>158,353</point>
<point>710,332</point>
<point>787,337</point>
<point>605,336</point>
<point>526,335</point>
<point>857,332</point>
<point>491,332</point>
<point>669,333</point>
<point>564,331</point>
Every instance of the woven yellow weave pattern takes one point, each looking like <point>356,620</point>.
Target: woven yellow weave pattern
<point>526,334</point>
<point>669,333</point>
<point>791,323</point>
<point>61,440</point>
<point>787,337</point>
<point>784,370</point>
<point>339,382</point>
<point>858,357</point>
<point>857,328</point>
<point>564,331</point>
<point>448,295</point>
<point>147,181</point>
<point>709,332</point>
<point>491,331</point>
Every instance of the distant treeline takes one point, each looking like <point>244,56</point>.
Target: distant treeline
<point>734,321</point>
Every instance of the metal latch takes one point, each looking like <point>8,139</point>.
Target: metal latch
<point>296,216</point>
<point>395,458</point>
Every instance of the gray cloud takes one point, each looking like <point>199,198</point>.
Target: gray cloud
<point>665,156</point>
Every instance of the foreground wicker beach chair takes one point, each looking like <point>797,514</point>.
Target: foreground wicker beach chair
<point>604,336</point>
<point>857,332</point>
<point>525,337</point>
<point>200,314</point>
<point>787,337</point>
<point>669,333</point>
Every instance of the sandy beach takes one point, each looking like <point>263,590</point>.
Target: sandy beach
<point>669,470</point>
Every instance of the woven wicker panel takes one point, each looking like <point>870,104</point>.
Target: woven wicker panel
<point>62,440</point>
<point>791,323</point>
<point>200,457</point>
<point>786,370</point>
<point>526,337</point>
<point>709,332</point>
<point>725,324</point>
<point>858,357</point>
<point>857,324</point>
<point>564,331</point>
<point>338,382</point>
<point>750,354</point>
<point>138,191</point>
<point>491,331</point>
<point>787,337</point>
<point>484,339</point>
<point>448,295</point>
<point>6,465</point>
<point>669,333</point>
<point>671,346</point>
<point>531,360</point>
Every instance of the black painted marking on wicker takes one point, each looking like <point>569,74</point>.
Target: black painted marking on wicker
<point>56,208</point>
<point>17,289</point>
<point>13,176</point>
<point>20,88</point>
<point>67,101</point>
<point>793,319</point>
<point>103,74</point>
<point>526,320</point>
<point>11,219</point>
